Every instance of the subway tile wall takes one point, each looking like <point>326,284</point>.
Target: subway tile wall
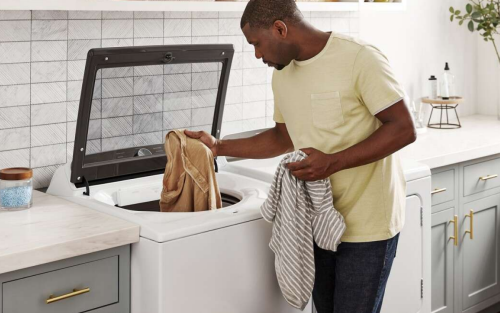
<point>42,59</point>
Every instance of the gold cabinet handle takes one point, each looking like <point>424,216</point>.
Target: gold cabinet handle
<point>438,190</point>
<point>483,178</point>
<point>455,231</point>
<point>75,292</point>
<point>471,231</point>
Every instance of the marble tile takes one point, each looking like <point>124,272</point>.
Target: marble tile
<point>70,147</point>
<point>48,155</point>
<point>43,175</point>
<point>177,82</point>
<point>229,26</point>
<point>148,42</point>
<point>321,23</point>
<point>233,112</point>
<point>93,146</point>
<point>148,70</point>
<point>340,25</point>
<point>115,107</point>
<point>76,69</point>
<point>6,15</point>
<point>148,28</point>
<point>117,126</point>
<point>232,127</point>
<point>204,98</point>
<point>252,124</point>
<point>74,90</point>
<point>50,134</point>
<point>15,30</point>
<point>147,139</point>
<point>14,52</point>
<point>70,131</point>
<point>250,61</point>
<point>147,14</point>
<point>235,14</point>
<point>255,76</point>
<point>14,95</point>
<point>205,80</point>
<point>177,15</point>
<point>12,117</point>
<point>202,116</point>
<point>269,108</point>
<point>48,113</point>
<point>49,30</point>
<point>177,68</point>
<point>146,123</point>
<point>84,15</point>
<point>354,25</point>
<point>117,87</point>
<point>177,119</point>
<point>205,27</point>
<point>44,72</point>
<point>177,27</point>
<point>205,67</point>
<point>323,14</point>
<point>110,43</point>
<point>254,109</point>
<point>116,143</point>
<point>49,15</point>
<point>84,29</point>
<point>236,41</point>
<point>95,129</point>
<point>49,51</point>
<point>78,49</point>
<point>236,78</point>
<point>14,74</point>
<point>14,138</point>
<point>117,72</point>
<point>177,101</point>
<point>109,15</point>
<point>72,110</point>
<point>48,93</point>
<point>177,41</point>
<point>15,158</point>
<point>147,85</point>
<point>234,95</point>
<point>341,14</point>
<point>117,29</point>
<point>148,104</point>
<point>205,15</point>
<point>204,40</point>
<point>254,93</point>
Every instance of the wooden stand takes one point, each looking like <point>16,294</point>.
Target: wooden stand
<point>441,104</point>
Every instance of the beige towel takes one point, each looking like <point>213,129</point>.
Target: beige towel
<point>189,183</point>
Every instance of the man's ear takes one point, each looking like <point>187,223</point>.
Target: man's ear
<point>280,28</point>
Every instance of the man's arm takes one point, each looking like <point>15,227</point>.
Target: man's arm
<point>268,144</point>
<point>396,132</point>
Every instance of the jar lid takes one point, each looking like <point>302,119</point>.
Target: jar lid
<point>16,173</point>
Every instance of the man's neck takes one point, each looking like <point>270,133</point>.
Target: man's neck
<point>310,42</point>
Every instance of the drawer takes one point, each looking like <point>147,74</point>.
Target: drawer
<point>31,293</point>
<point>443,187</point>
<point>481,176</point>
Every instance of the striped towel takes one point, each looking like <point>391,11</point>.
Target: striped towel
<point>300,211</point>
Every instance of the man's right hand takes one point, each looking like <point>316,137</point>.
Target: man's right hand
<point>204,137</point>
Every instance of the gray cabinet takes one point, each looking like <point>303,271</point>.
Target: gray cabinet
<point>442,263</point>
<point>479,251</point>
<point>97,282</point>
<point>466,250</point>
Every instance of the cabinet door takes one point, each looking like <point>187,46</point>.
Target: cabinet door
<point>403,287</point>
<point>442,261</point>
<point>480,255</point>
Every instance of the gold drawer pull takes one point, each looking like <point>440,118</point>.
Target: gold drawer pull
<point>471,231</point>
<point>437,190</point>
<point>488,177</point>
<point>455,232</point>
<point>75,292</point>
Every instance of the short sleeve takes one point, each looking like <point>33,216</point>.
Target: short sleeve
<point>374,81</point>
<point>277,117</point>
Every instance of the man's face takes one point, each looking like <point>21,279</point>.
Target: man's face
<point>270,45</point>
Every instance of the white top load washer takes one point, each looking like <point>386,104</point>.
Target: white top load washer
<point>409,285</point>
<point>211,262</point>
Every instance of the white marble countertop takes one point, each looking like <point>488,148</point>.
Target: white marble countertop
<point>55,229</point>
<point>478,137</point>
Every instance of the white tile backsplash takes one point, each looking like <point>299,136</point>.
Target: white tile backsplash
<point>42,62</point>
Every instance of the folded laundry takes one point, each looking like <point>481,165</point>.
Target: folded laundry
<point>300,212</point>
<point>189,182</point>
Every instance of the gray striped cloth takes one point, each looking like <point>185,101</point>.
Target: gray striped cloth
<point>300,212</point>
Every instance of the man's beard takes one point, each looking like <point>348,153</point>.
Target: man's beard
<point>279,67</point>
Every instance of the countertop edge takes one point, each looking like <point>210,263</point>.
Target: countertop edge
<point>66,250</point>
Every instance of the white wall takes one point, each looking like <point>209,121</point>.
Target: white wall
<point>420,40</point>
<point>488,86</point>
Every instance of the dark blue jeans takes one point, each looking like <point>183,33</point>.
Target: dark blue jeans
<point>353,279</point>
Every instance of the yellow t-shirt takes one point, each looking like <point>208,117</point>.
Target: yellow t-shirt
<point>329,103</point>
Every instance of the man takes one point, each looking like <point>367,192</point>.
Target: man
<point>337,100</point>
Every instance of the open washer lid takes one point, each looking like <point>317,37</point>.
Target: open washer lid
<point>131,97</point>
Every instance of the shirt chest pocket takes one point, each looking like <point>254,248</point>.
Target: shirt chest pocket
<point>326,110</point>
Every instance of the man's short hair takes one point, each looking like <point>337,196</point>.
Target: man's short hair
<point>263,13</point>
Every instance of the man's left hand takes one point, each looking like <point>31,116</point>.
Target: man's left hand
<point>316,166</point>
